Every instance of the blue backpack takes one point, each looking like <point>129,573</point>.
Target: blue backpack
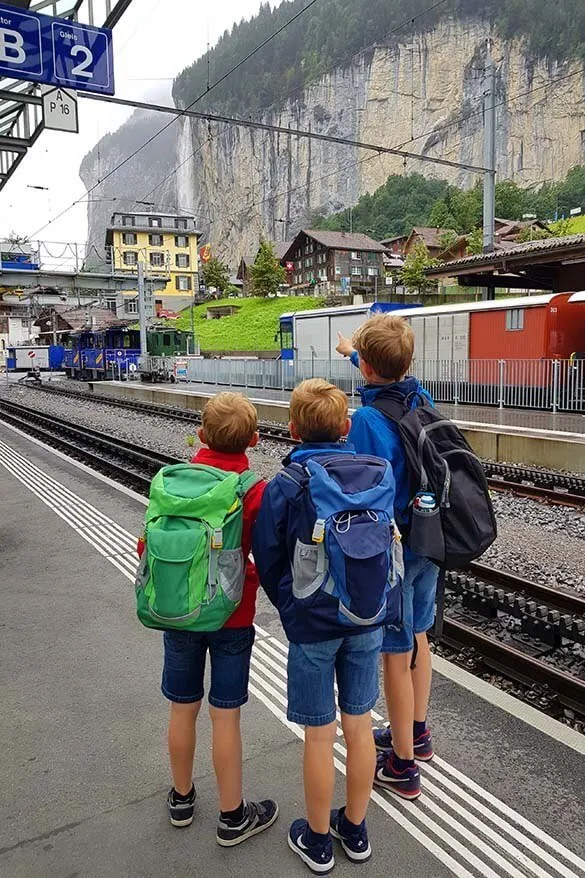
<point>348,554</point>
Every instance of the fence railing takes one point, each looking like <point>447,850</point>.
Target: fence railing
<point>553,385</point>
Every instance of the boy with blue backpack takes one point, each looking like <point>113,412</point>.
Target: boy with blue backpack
<point>329,558</point>
<point>442,508</point>
<point>197,584</point>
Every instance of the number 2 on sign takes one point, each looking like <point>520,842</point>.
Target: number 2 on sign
<point>81,69</point>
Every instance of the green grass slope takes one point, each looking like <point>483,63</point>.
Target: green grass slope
<point>252,328</point>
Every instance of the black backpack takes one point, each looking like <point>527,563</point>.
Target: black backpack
<point>440,461</point>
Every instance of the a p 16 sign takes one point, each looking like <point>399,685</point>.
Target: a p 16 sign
<point>55,51</point>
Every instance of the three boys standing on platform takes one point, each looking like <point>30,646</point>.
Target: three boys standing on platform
<point>325,536</point>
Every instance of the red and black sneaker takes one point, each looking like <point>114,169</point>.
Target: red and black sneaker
<point>402,780</point>
<point>423,744</point>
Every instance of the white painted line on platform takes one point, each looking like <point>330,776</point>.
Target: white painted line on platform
<point>444,817</point>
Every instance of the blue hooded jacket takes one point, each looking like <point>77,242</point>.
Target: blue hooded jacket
<point>277,529</point>
<point>373,433</point>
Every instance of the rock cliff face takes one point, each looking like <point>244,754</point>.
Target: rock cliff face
<point>426,95</point>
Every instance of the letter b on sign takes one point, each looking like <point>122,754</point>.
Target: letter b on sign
<point>11,47</point>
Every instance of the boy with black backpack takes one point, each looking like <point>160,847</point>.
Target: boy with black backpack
<point>444,511</point>
<point>197,583</point>
<point>329,557</point>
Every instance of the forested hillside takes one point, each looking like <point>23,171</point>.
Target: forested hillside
<point>404,202</point>
<point>333,31</point>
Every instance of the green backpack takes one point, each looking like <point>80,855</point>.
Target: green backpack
<point>191,574</point>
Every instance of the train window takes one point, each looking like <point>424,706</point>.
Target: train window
<point>166,339</point>
<point>515,319</point>
<point>286,336</point>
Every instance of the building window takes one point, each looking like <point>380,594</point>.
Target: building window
<point>130,306</point>
<point>181,241</point>
<point>128,221</point>
<point>155,240</point>
<point>183,282</point>
<point>322,274</point>
<point>338,270</point>
<point>154,222</point>
<point>130,257</point>
<point>355,254</point>
<point>515,319</point>
<point>111,305</point>
<point>372,257</point>
<point>182,260</point>
<point>308,263</point>
<point>356,270</point>
<point>372,272</point>
<point>129,238</point>
<point>157,259</point>
<point>181,223</point>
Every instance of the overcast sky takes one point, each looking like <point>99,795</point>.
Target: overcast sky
<point>148,42</point>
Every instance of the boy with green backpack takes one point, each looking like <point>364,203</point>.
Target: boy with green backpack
<point>197,583</point>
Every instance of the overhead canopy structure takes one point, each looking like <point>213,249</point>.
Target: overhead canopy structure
<point>21,117</point>
<point>555,264</point>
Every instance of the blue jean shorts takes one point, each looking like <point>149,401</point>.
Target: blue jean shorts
<point>229,650</point>
<point>313,667</point>
<point>419,592</point>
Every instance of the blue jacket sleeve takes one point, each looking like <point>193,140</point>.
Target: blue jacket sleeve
<point>269,543</point>
<point>355,359</point>
<point>372,433</point>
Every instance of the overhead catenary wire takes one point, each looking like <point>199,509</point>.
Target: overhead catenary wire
<point>161,130</point>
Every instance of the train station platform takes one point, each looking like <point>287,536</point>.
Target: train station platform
<point>83,766</point>
<point>518,436</point>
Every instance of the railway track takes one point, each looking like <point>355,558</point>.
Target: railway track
<point>554,487</point>
<point>545,619</point>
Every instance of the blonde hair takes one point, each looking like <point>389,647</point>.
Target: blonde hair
<point>386,343</point>
<point>318,410</point>
<point>229,422</point>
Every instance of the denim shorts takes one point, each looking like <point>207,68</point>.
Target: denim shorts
<point>419,591</point>
<point>229,650</point>
<point>313,667</point>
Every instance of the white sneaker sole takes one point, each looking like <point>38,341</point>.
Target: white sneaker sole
<point>233,842</point>
<point>181,823</point>
<point>318,869</point>
<point>352,855</point>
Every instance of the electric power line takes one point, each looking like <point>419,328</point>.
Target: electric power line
<point>192,104</point>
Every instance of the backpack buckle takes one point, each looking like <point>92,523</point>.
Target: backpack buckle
<point>319,531</point>
<point>217,538</point>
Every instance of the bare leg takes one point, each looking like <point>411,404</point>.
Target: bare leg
<point>319,775</point>
<point>181,739</point>
<point>227,756</point>
<point>361,764</point>
<point>421,678</point>
<point>398,688</point>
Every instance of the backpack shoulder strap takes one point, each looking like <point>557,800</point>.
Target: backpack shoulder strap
<point>392,408</point>
<point>247,481</point>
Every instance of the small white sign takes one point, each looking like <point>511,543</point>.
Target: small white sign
<point>576,211</point>
<point>60,109</point>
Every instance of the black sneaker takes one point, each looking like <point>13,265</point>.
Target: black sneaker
<point>181,809</point>
<point>258,816</point>
<point>319,857</point>
<point>355,844</point>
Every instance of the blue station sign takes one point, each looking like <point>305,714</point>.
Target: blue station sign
<point>39,48</point>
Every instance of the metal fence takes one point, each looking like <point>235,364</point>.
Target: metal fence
<point>553,385</point>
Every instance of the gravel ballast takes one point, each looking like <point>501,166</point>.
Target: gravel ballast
<point>538,541</point>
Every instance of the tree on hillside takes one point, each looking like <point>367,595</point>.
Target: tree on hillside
<point>475,242</point>
<point>413,272</point>
<point>267,274</point>
<point>216,274</point>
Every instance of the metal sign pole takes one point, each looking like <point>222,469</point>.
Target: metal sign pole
<point>142,310</point>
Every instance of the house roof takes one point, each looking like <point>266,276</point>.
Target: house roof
<point>338,241</point>
<point>430,237</point>
<point>387,241</point>
<point>516,255</point>
<point>84,318</point>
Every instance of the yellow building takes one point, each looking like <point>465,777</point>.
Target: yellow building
<point>166,243</point>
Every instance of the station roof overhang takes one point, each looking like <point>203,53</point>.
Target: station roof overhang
<point>82,281</point>
<point>555,264</point>
<point>21,115</point>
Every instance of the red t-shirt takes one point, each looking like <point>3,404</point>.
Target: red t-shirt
<point>237,463</point>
